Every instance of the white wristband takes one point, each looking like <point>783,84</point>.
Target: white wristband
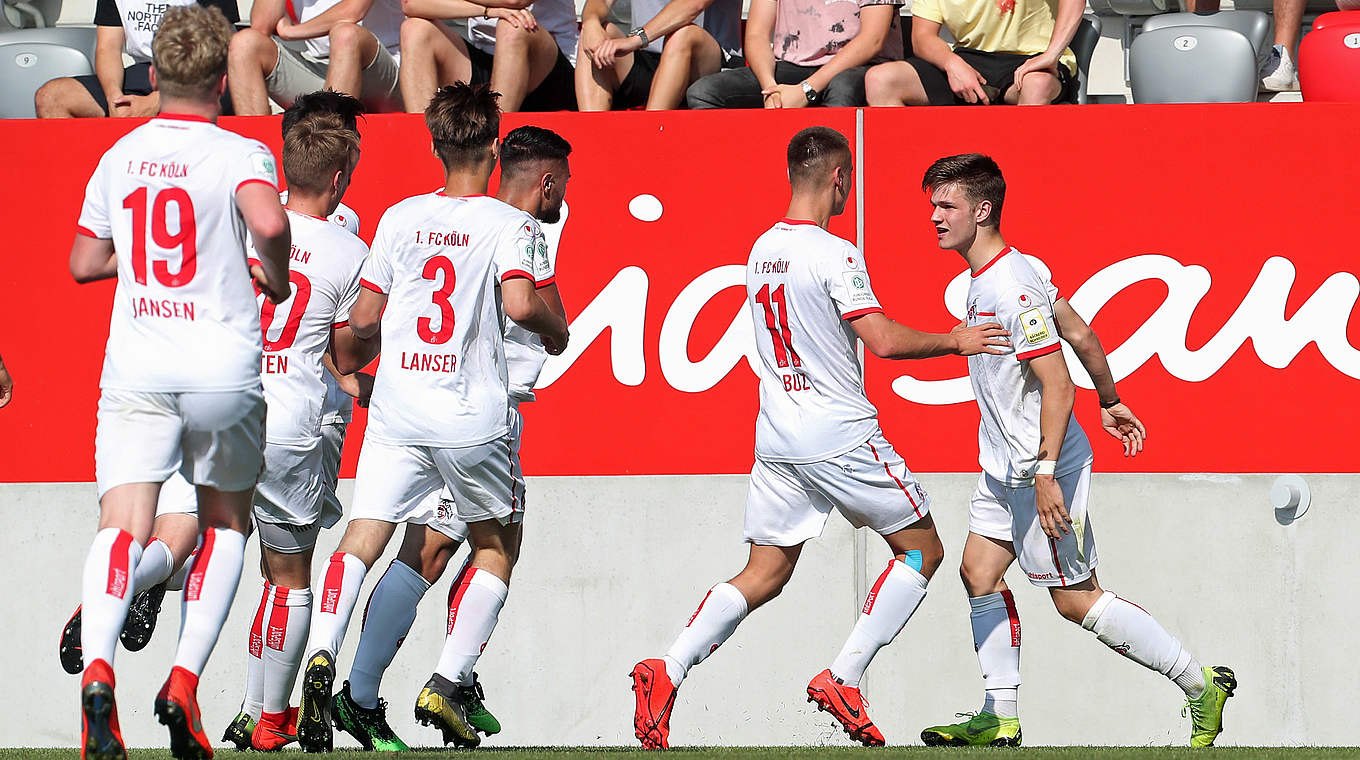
<point>1045,467</point>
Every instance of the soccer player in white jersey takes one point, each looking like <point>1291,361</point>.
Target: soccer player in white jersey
<point>818,444</point>
<point>440,401</point>
<point>534,175</point>
<point>166,212</point>
<point>1031,501</point>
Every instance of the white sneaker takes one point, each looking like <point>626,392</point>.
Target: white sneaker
<point>1280,76</point>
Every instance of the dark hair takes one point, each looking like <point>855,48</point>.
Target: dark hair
<point>347,107</point>
<point>977,175</point>
<point>464,121</point>
<point>315,149</point>
<point>528,145</point>
<point>814,152</point>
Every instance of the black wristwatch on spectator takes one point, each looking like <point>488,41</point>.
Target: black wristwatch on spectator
<point>812,95</point>
<point>641,34</point>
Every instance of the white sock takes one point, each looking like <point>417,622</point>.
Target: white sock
<point>156,565</point>
<point>339,583</point>
<point>719,614</point>
<point>1129,630</point>
<point>887,608</point>
<point>253,704</point>
<point>176,582</point>
<point>208,593</point>
<point>996,638</point>
<point>106,592</point>
<point>285,634</point>
<point>388,617</point>
<point>474,607</point>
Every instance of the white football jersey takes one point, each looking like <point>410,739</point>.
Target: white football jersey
<point>1013,292</point>
<point>184,315</point>
<point>524,351</point>
<point>803,285</point>
<point>442,376</point>
<point>324,275</point>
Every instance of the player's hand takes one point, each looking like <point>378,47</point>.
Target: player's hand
<point>518,17</point>
<point>1121,423</point>
<point>986,338</point>
<point>1042,62</point>
<point>790,96</point>
<point>556,344</point>
<point>966,82</point>
<point>6,386</point>
<point>135,105</point>
<point>364,383</point>
<point>610,49</point>
<point>1048,500</point>
<point>262,284</point>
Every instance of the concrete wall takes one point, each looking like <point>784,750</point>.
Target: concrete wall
<point>614,566</point>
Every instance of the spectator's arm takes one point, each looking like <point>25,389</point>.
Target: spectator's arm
<point>674,15</point>
<point>927,45</point>
<point>757,45</point>
<point>1064,29</point>
<point>6,385</point>
<point>108,62</point>
<point>265,15</point>
<point>596,12</point>
<point>352,11</point>
<point>875,22</point>
<point>436,10</point>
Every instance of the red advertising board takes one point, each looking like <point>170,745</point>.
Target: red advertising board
<point>1216,272</point>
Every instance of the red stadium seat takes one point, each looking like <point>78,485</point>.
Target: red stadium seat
<point>1337,18</point>
<point>1329,64</point>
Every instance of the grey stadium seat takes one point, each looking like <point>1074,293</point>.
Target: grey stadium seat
<point>81,38</point>
<point>27,65</point>
<point>1083,47</point>
<point>1193,65</point>
<point>33,13</point>
<point>1256,26</point>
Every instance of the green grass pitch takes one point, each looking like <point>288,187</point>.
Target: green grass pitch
<point>780,753</point>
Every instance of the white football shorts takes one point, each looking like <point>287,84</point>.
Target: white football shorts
<point>290,499</point>
<point>870,485</point>
<point>1008,513</point>
<point>178,497</point>
<point>442,504</point>
<point>214,438</point>
<point>332,446</point>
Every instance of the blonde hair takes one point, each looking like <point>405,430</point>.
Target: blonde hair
<point>315,149</point>
<point>189,51</point>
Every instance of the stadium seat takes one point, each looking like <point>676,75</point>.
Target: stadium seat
<point>1337,18</point>
<point>1268,6</point>
<point>81,38</point>
<point>27,65</point>
<point>1256,26</point>
<point>34,14</point>
<point>1083,47</point>
<point>1329,64</point>
<point>1193,65</point>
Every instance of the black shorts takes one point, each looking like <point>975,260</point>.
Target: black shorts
<point>136,81</point>
<point>557,91</point>
<point>998,69</point>
<point>637,86</point>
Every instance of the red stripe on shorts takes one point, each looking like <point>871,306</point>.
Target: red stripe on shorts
<point>456,592</point>
<point>335,578</point>
<point>278,620</point>
<point>256,646</point>
<point>194,586</point>
<point>1053,547</point>
<point>873,592</point>
<point>1014,616</point>
<point>914,507</point>
<point>119,565</point>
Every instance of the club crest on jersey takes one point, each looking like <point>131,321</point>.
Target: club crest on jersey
<point>1026,301</point>
<point>445,512</point>
<point>972,311</point>
<point>851,262</point>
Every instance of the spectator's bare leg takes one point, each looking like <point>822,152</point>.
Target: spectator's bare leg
<point>595,86</point>
<point>523,60</point>
<point>432,55</point>
<point>65,98</point>
<point>353,49</point>
<point>690,54</point>
<point>1201,6</point>
<point>250,58</point>
<point>1289,24</point>
<point>1038,88</point>
<point>894,84</point>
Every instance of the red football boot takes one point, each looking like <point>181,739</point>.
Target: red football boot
<point>847,705</point>
<point>655,698</point>
<point>177,710</point>
<point>100,738</point>
<point>275,730</point>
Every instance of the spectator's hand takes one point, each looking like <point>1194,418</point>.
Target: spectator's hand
<point>135,105</point>
<point>6,386</point>
<point>772,99</point>
<point>518,18</point>
<point>593,36</point>
<point>966,82</point>
<point>1041,62</point>
<point>604,55</point>
<point>789,95</point>
<point>1122,424</point>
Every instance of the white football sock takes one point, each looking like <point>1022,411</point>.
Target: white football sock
<point>339,583</point>
<point>285,634</point>
<point>719,614</point>
<point>474,607</point>
<point>887,608</point>
<point>157,564</point>
<point>176,582</point>
<point>253,704</point>
<point>106,592</point>
<point>996,638</point>
<point>388,617</point>
<point>208,593</point>
<point>1129,630</point>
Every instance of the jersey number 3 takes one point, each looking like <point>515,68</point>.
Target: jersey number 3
<point>778,324</point>
<point>436,266</point>
<point>185,239</point>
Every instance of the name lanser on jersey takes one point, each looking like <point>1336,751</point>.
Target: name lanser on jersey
<point>422,362</point>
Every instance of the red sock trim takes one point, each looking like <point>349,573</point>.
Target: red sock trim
<point>256,643</point>
<point>872,596</point>
<point>1014,615</point>
<point>699,609</point>
<point>193,587</point>
<point>335,579</point>
<point>456,592</point>
<point>120,577</point>
<point>278,620</point>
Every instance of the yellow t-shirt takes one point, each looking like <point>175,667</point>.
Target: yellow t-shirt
<point>998,26</point>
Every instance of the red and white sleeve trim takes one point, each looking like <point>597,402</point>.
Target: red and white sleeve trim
<point>861,312</point>
<point>265,182</point>
<point>516,273</point>
<point>546,283</point>
<point>366,284</point>
<point>87,232</point>
<point>1036,353</point>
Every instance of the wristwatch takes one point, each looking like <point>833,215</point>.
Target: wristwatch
<point>641,34</point>
<point>812,95</point>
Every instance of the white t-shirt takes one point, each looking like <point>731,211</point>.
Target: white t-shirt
<point>442,376</point>
<point>384,19</point>
<point>184,315</point>
<point>324,275</point>
<point>524,351</point>
<point>1013,292</point>
<point>140,19</point>
<point>803,285</point>
<point>557,16</point>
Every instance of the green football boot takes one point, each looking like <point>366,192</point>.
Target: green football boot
<point>1206,711</point>
<point>239,732</point>
<point>478,716</point>
<point>980,730</point>
<point>367,726</point>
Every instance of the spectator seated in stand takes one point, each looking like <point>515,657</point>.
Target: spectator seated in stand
<point>121,26</point>
<point>524,51</point>
<point>805,53</point>
<point>350,46</point>
<point>1281,73</point>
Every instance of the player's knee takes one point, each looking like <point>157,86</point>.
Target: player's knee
<point>978,583</point>
<point>932,556</point>
<point>1072,606</point>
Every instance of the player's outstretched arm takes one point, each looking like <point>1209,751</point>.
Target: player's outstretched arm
<point>523,304</point>
<point>93,259</point>
<point>1055,410</point>
<point>268,225</point>
<point>887,339</point>
<point>1116,418</point>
